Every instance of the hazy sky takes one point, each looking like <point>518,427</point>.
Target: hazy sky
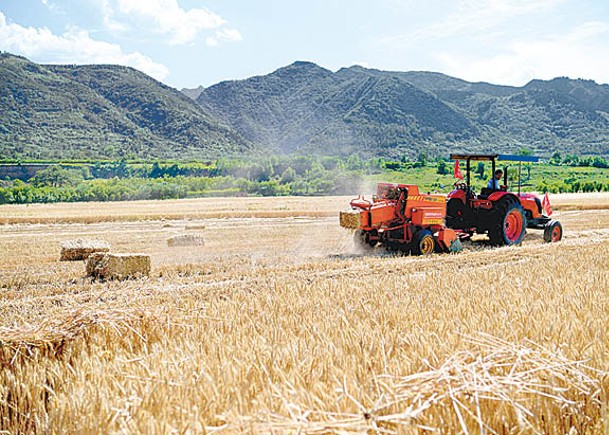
<point>186,43</point>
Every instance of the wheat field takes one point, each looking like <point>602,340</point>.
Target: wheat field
<point>276,325</point>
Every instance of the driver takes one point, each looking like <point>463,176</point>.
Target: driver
<point>493,183</point>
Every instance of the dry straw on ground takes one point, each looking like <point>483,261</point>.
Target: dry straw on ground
<point>118,266</point>
<point>252,335</point>
<point>186,240</point>
<point>80,249</point>
<point>52,337</point>
<point>484,388</point>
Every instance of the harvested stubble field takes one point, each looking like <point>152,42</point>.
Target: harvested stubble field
<point>275,325</point>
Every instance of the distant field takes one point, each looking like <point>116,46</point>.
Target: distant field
<point>213,208</point>
<point>201,208</point>
<point>277,325</point>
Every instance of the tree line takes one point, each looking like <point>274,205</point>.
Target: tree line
<point>273,176</point>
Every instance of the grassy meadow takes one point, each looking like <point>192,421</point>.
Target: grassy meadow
<point>277,325</point>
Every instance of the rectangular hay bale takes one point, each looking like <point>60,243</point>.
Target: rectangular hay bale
<point>350,219</point>
<point>117,266</point>
<point>80,249</point>
<point>186,240</point>
<point>191,227</point>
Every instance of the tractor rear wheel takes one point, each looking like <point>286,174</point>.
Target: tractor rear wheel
<point>423,243</point>
<point>552,232</point>
<point>508,224</point>
<point>361,240</point>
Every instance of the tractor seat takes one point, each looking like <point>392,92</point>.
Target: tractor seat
<point>471,194</point>
<point>485,192</point>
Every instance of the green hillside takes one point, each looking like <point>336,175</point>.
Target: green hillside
<point>85,112</point>
<point>556,115</point>
<point>306,108</point>
<point>112,112</point>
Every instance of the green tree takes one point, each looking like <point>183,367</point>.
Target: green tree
<point>480,170</point>
<point>110,151</point>
<point>422,159</point>
<point>288,176</point>
<point>571,159</point>
<point>599,162</point>
<point>264,171</point>
<point>442,167</point>
<point>354,163</point>
<point>156,171</point>
<point>56,176</point>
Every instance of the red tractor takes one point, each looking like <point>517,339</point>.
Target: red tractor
<point>401,218</point>
<point>501,214</point>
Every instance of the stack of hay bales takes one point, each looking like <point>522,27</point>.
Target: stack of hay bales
<point>80,249</point>
<point>105,265</point>
<point>186,240</point>
<point>100,263</point>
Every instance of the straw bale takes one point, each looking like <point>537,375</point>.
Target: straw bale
<point>117,266</point>
<point>186,240</point>
<point>80,249</point>
<point>350,219</point>
<point>195,227</point>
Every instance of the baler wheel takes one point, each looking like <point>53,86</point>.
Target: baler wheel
<point>361,239</point>
<point>552,232</point>
<point>423,243</point>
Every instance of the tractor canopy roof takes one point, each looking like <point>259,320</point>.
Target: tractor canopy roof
<point>473,156</point>
<point>490,157</point>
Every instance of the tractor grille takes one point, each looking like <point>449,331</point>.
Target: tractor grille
<point>350,219</point>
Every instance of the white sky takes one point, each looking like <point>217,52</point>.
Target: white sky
<point>186,43</point>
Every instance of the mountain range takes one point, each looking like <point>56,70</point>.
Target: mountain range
<point>102,111</point>
<point>306,108</point>
<point>109,111</point>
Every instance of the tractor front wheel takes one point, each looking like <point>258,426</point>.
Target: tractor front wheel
<point>552,232</point>
<point>508,225</point>
<point>423,243</point>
